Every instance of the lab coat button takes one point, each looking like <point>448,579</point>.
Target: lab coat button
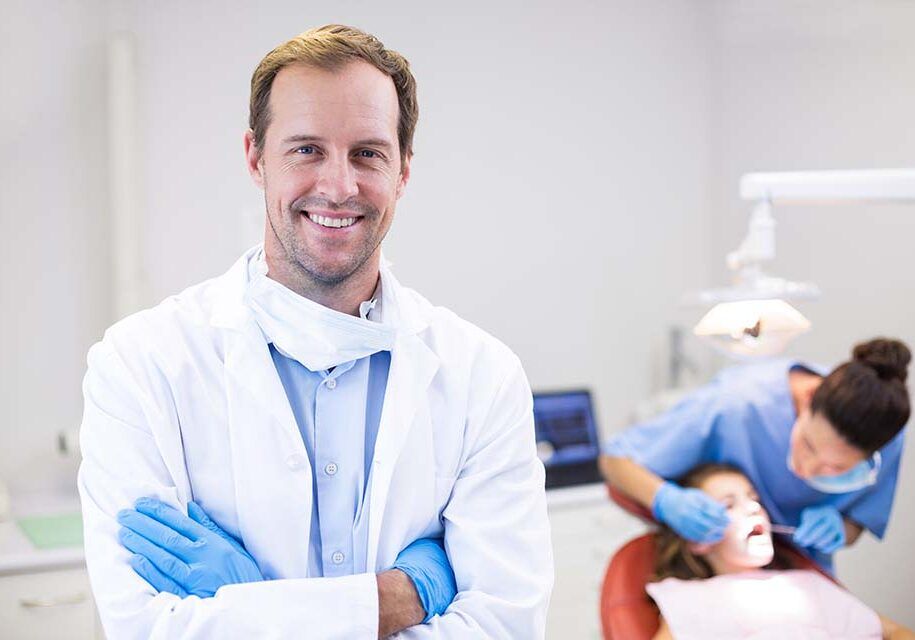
<point>331,383</point>
<point>338,557</point>
<point>295,461</point>
<point>330,469</point>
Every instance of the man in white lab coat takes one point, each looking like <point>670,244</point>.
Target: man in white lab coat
<point>260,450</point>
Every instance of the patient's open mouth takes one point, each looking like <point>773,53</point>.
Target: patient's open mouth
<point>757,530</point>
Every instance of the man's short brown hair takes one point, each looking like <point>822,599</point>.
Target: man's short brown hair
<point>330,47</point>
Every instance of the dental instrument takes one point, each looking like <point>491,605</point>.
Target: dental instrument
<point>782,528</point>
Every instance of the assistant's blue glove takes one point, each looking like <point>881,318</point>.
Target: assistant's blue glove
<point>821,528</point>
<point>182,555</point>
<point>692,513</point>
<point>426,564</point>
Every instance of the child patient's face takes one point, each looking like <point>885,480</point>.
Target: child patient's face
<point>747,542</point>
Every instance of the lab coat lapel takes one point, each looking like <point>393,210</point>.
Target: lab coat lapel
<point>413,366</point>
<point>272,473</point>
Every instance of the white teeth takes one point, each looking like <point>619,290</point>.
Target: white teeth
<point>334,223</point>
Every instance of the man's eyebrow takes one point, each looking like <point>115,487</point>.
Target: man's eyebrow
<point>366,142</point>
<point>374,142</point>
<point>302,137</point>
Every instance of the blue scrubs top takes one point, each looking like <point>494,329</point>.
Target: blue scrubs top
<point>744,418</point>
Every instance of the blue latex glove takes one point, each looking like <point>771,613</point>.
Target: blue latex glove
<point>182,555</point>
<point>692,513</point>
<point>426,564</point>
<point>821,528</point>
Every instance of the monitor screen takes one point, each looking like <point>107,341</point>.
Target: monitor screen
<point>567,441</point>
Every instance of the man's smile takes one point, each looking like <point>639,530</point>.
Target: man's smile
<point>331,221</point>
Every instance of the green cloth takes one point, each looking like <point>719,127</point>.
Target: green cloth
<point>53,532</point>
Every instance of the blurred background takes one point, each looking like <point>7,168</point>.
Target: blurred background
<point>576,173</point>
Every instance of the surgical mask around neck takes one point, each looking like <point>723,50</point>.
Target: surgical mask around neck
<point>316,336</point>
<point>862,475</point>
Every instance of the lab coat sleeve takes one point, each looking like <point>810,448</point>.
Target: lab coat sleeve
<point>122,461</point>
<point>497,534</point>
<point>677,440</point>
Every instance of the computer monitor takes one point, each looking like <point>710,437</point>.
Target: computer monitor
<point>567,440</point>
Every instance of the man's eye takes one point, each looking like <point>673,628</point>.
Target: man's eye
<point>368,153</point>
<point>307,150</point>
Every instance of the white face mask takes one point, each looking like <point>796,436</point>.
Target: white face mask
<point>318,337</point>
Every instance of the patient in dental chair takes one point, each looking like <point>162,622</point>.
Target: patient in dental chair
<point>742,587</point>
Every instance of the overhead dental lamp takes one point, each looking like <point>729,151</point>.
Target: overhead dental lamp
<point>754,317</point>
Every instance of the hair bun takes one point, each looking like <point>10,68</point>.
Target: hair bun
<point>889,358</point>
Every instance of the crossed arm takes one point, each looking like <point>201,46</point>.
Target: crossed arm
<point>192,555</point>
<point>123,459</point>
<point>495,522</point>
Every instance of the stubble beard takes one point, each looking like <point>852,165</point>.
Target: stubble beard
<point>299,263</point>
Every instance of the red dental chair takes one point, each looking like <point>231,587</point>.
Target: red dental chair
<point>626,611</point>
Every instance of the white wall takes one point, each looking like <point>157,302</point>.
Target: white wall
<point>828,85</point>
<point>54,295</point>
<point>557,198</point>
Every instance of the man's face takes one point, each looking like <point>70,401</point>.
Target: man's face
<point>330,169</point>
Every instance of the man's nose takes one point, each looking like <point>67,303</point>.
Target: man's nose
<point>337,180</point>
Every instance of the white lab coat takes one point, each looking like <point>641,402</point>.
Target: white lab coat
<point>183,402</point>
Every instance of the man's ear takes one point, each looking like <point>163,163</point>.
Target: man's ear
<point>253,159</point>
<point>404,175</point>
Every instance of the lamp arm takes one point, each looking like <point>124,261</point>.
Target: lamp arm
<point>759,244</point>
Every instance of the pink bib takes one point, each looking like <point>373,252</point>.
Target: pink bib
<point>781,605</point>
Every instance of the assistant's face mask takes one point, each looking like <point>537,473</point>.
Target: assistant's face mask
<point>862,475</point>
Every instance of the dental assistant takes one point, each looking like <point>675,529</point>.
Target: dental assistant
<point>304,447</point>
<point>822,450</point>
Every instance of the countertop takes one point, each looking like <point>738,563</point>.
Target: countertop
<point>18,555</point>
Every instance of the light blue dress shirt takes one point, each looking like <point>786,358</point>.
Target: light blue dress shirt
<point>338,413</point>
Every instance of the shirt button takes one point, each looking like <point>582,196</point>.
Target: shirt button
<point>331,468</point>
<point>331,383</point>
<point>338,557</point>
<point>295,461</point>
